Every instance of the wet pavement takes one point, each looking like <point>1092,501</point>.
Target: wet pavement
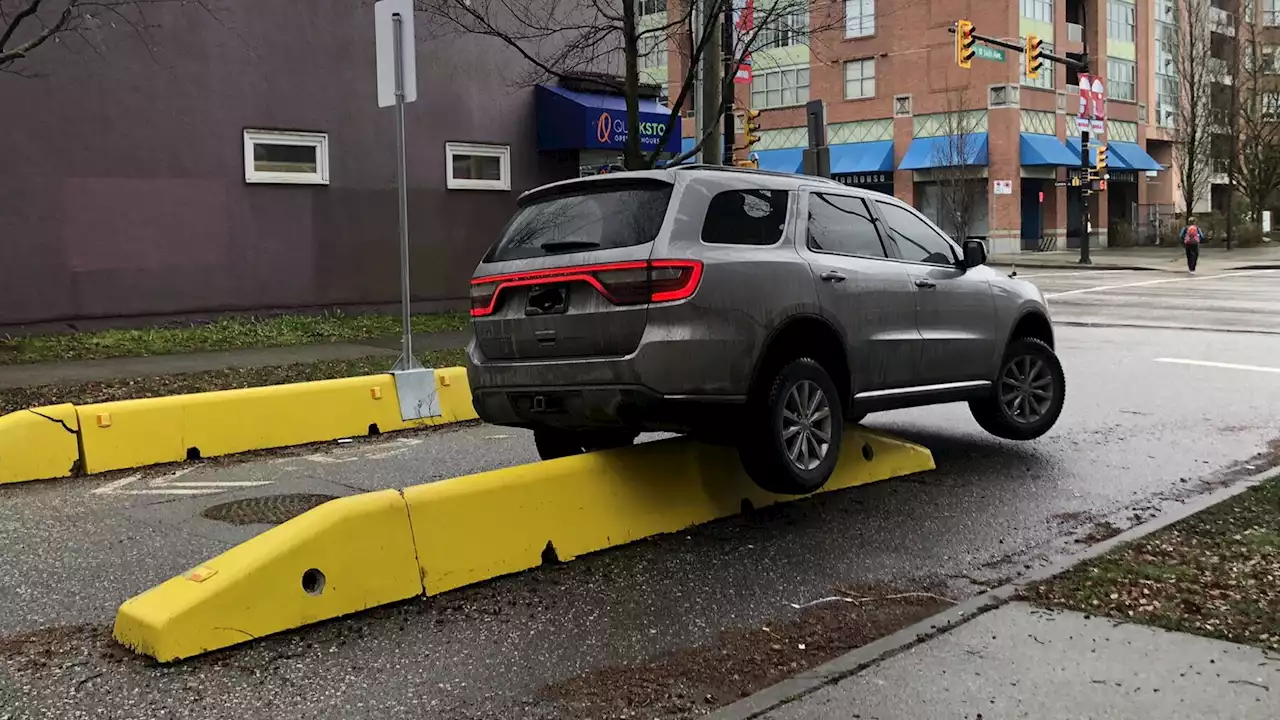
<point>1138,434</point>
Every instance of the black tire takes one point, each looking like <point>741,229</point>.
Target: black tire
<point>555,443</point>
<point>1032,421</point>
<point>763,449</point>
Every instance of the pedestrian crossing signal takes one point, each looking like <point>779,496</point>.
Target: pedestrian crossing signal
<point>965,42</point>
<point>1031,54</point>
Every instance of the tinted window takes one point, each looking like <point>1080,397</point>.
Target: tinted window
<point>598,217</point>
<point>746,217</point>
<point>913,238</point>
<point>840,224</point>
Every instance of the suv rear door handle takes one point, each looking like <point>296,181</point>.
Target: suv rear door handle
<point>832,276</point>
<point>925,283</point>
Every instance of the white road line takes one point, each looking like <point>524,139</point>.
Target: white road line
<point>1226,366</point>
<point>219,484</point>
<point>1079,272</point>
<point>113,486</point>
<point>1189,278</point>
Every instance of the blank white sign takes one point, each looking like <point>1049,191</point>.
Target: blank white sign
<point>384,37</point>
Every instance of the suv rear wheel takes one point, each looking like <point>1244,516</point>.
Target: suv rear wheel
<point>1027,397</point>
<point>792,441</point>
<point>554,443</point>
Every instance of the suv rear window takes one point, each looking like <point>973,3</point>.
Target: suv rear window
<point>745,217</point>
<point>599,216</point>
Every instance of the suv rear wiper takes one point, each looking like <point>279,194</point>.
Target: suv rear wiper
<point>568,245</point>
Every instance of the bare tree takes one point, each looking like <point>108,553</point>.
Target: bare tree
<point>1196,119</point>
<point>1257,167</point>
<point>566,38</point>
<point>27,25</point>
<point>956,170</point>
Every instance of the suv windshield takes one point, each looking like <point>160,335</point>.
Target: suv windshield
<point>597,217</point>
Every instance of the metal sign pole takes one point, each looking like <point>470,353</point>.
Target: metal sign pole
<point>407,360</point>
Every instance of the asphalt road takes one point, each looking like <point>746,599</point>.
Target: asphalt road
<point>1147,424</point>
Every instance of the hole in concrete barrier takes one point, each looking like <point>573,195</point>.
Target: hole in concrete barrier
<point>867,453</point>
<point>747,506</point>
<point>549,556</point>
<point>193,453</point>
<point>313,582</point>
<point>373,429</point>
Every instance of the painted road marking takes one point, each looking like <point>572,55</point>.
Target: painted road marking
<point>1227,366</point>
<point>1188,278</point>
<point>169,485</point>
<point>1076,272</point>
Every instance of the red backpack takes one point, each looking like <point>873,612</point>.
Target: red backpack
<point>1192,236</point>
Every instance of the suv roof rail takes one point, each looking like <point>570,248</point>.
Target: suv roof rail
<point>752,171</point>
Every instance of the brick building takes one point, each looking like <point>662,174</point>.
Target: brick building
<point>902,116</point>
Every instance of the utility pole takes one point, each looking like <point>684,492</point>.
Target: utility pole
<point>712,80</point>
<point>1085,185</point>
<point>727,81</point>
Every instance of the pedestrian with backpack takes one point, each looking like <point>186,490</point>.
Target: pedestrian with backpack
<point>1191,237</point>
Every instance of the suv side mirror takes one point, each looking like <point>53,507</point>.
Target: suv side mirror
<point>975,253</point>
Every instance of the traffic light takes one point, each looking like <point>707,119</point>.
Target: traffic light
<point>1031,55</point>
<point>1100,165</point>
<point>964,44</point>
<point>750,129</point>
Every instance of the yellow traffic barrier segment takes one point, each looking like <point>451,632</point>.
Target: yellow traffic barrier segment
<point>344,556</point>
<point>39,444</point>
<point>462,531</point>
<point>135,433</point>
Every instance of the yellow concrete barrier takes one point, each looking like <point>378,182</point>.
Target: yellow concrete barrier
<point>344,556</point>
<point>464,530</point>
<point>135,433</point>
<point>481,526</point>
<point>39,444</point>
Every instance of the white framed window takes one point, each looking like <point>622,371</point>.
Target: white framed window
<point>1271,105</point>
<point>1122,21</point>
<point>651,51</point>
<point>859,18</point>
<point>286,157</point>
<point>1041,10</point>
<point>1271,13</point>
<point>470,166</point>
<point>782,87</point>
<point>650,7</point>
<point>860,79</point>
<point>784,30</point>
<point>1122,80</point>
<point>1045,80</point>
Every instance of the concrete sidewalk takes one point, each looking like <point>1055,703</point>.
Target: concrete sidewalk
<point>1019,661</point>
<point>78,371</point>
<point>1169,259</point>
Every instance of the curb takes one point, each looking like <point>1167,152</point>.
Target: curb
<point>853,662</point>
<point>373,549</point>
<point>1072,266</point>
<point>66,440</point>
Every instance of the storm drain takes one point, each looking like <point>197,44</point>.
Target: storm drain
<point>265,510</point>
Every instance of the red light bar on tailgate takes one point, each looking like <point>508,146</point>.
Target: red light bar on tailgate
<point>621,283</point>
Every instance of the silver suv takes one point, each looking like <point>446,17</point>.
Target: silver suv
<point>756,308</point>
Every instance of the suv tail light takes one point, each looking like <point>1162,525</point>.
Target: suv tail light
<point>623,283</point>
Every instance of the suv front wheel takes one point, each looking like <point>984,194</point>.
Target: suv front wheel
<point>1028,394</point>
<point>791,443</point>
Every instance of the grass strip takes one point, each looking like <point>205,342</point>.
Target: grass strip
<point>1216,574</point>
<point>228,333</point>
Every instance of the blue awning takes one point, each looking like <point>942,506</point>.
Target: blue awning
<point>571,120</point>
<point>789,160</point>
<point>1073,144</point>
<point>1133,156</point>
<point>862,157</point>
<point>946,151</point>
<point>1036,149</point>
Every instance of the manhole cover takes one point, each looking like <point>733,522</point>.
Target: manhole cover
<point>265,510</point>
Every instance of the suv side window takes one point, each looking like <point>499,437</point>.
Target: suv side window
<point>914,240</point>
<point>745,217</point>
<point>843,225</point>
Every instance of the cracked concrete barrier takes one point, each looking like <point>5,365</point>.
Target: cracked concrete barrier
<point>427,539</point>
<point>39,444</point>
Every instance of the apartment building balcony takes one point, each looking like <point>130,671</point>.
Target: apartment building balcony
<point>1222,21</point>
<point>1220,71</point>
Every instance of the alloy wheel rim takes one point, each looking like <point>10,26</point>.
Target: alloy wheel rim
<point>806,425</point>
<point>1026,389</point>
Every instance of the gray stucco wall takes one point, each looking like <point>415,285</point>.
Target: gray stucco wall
<point>122,186</point>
